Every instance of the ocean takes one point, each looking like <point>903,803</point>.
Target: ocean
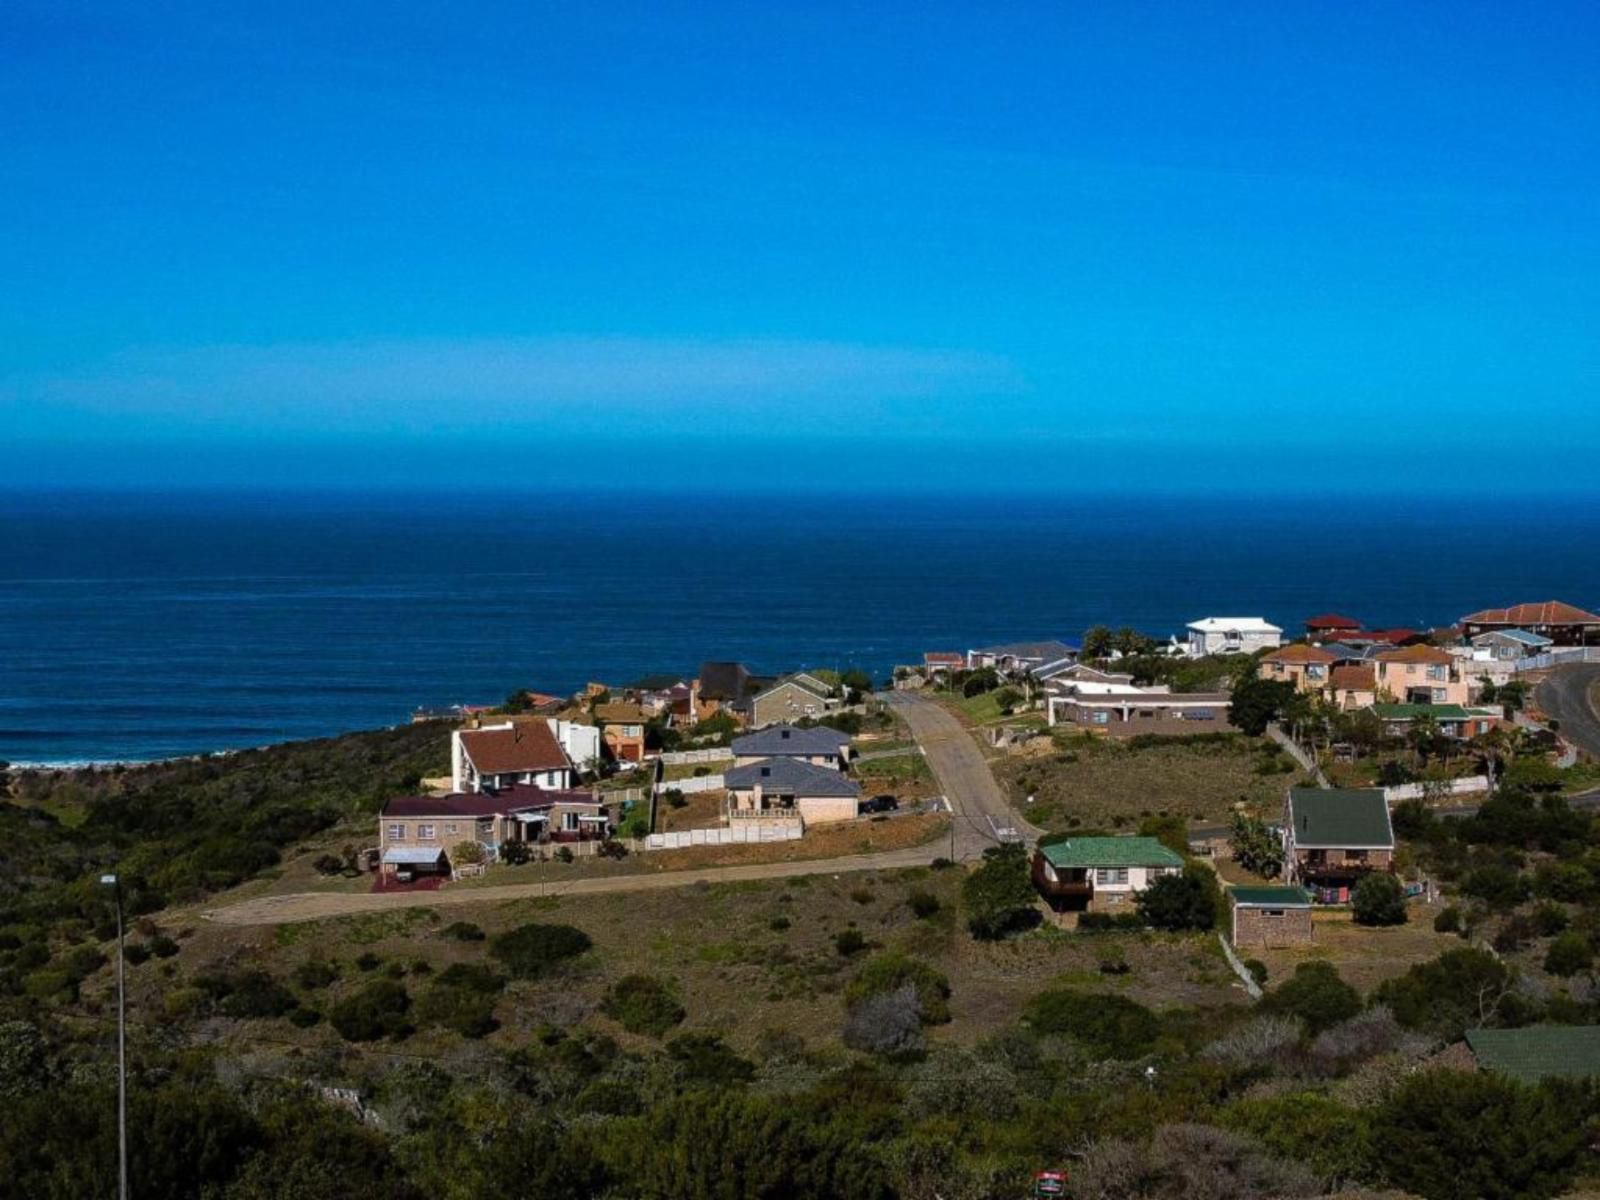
<point>138,626</point>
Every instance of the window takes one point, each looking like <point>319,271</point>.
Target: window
<point>1316,671</point>
<point>449,828</point>
<point>425,832</point>
<point>1102,717</point>
<point>397,833</point>
<point>569,821</point>
<point>1441,673</point>
<point>1272,912</point>
<point>1111,875</point>
<point>1356,855</point>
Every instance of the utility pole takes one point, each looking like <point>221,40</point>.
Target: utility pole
<point>122,1045</point>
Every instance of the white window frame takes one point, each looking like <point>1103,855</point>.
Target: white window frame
<point>427,833</point>
<point>397,832</point>
<point>449,828</point>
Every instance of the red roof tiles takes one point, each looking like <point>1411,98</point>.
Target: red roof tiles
<point>526,746</point>
<point>1548,612</point>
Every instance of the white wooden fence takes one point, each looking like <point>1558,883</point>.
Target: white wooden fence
<point>679,758</point>
<point>732,835</point>
<point>1467,785</point>
<point>1556,658</point>
<point>700,783</point>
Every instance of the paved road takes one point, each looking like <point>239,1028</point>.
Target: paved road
<point>1565,695</point>
<point>956,761</point>
<point>964,777</point>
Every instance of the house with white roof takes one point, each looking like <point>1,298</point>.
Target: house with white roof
<point>1232,635</point>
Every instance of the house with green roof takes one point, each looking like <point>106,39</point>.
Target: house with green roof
<point>1537,1052</point>
<point>1268,917</point>
<point>1334,836</point>
<point>1100,874</point>
<point>1453,720</point>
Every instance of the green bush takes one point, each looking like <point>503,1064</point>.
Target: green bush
<point>256,995</point>
<point>643,1004</point>
<point>1448,920</point>
<point>705,1062</point>
<point>368,961</point>
<point>377,1010</point>
<point>1316,995</point>
<point>464,1009</point>
<point>463,931</point>
<point>1549,918</point>
<point>1444,996</point>
<point>1187,901</point>
<point>999,896</point>
<point>135,952</point>
<point>1104,1023</point>
<point>1257,969</point>
<point>849,942</point>
<point>1569,954</point>
<point>922,904</point>
<point>533,950</point>
<point>888,972</point>
<point>1379,900</point>
<point>315,973</point>
<point>1105,922</point>
<point>471,977</point>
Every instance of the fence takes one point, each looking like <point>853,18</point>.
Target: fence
<point>1441,789</point>
<point>679,758</point>
<point>700,783</point>
<point>1556,658</point>
<point>732,835</point>
<point>1299,753</point>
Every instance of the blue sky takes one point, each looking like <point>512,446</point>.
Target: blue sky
<point>1056,245</point>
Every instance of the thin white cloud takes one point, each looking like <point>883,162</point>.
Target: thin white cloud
<point>548,383</point>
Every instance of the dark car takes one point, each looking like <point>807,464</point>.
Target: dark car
<point>880,804</point>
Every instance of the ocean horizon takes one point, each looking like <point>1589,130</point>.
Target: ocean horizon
<point>146,625</point>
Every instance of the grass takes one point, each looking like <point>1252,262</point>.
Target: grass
<point>701,810</point>
<point>680,771</point>
<point>1365,956</point>
<point>1081,781</point>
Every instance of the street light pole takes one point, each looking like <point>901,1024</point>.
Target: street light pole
<point>122,1046</point>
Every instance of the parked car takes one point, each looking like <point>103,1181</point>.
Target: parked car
<point>880,804</point>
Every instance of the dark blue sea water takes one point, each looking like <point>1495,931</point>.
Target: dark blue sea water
<point>135,627</point>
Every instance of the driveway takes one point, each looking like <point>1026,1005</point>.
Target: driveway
<point>1565,695</point>
<point>979,808</point>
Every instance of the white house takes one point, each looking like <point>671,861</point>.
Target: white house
<point>500,756</point>
<point>1232,635</point>
<point>580,742</point>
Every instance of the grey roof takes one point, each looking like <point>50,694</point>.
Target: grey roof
<point>1522,636</point>
<point>790,740</point>
<point>1340,818</point>
<point>806,683</point>
<point>791,775</point>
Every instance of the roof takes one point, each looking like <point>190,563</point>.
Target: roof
<point>1299,652</point>
<point>622,713</point>
<point>791,775</point>
<point>1525,637</point>
<point>814,688</point>
<point>1110,852</point>
<point>656,683</point>
<point>1410,712</point>
<point>724,681</point>
<point>1270,897</point>
<point>1546,612</point>
<point>1355,678</point>
<point>1237,624</point>
<point>412,855</point>
<point>1134,697</point>
<point>525,746</point>
<point>790,740</point>
<point>1416,654</point>
<point>1047,651</point>
<point>1084,671</point>
<point>944,658</point>
<point>1332,621</point>
<point>1378,637</point>
<point>1538,1051</point>
<point>483,804</point>
<point>1343,818</point>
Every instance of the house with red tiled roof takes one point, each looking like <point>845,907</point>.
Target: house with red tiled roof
<point>1563,624</point>
<point>1420,675</point>
<point>1330,627</point>
<point>500,756</point>
<point>1306,667</point>
<point>417,834</point>
<point>1352,686</point>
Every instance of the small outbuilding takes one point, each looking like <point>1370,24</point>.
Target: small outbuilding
<point>1265,918</point>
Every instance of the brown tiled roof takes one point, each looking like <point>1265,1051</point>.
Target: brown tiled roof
<point>1357,679</point>
<point>483,804</point>
<point>1332,621</point>
<point>622,713</point>
<point>526,746</point>
<point>945,658</point>
<point>1415,654</point>
<point>1299,652</point>
<point>1548,612</point>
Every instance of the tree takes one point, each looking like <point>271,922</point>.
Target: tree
<point>1105,1023</point>
<point>378,1010</point>
<point>887,1024</point>
<point>1448,1134</point>
<point>1189,900</point>
<point>1172,831</point>
<point>643,1004</point>
<point>1255,847</point>
<point>1316,995</point>
<point>469,853</point>
<point>1445,996</point>
<point>999,896</point>
<point>1097,642</point>
<point>1257,702</point>
<point>1379,900</point>
<point>890,972</point>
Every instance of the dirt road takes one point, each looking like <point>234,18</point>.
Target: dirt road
<point>1565,695</point>
<point>979,806</point>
